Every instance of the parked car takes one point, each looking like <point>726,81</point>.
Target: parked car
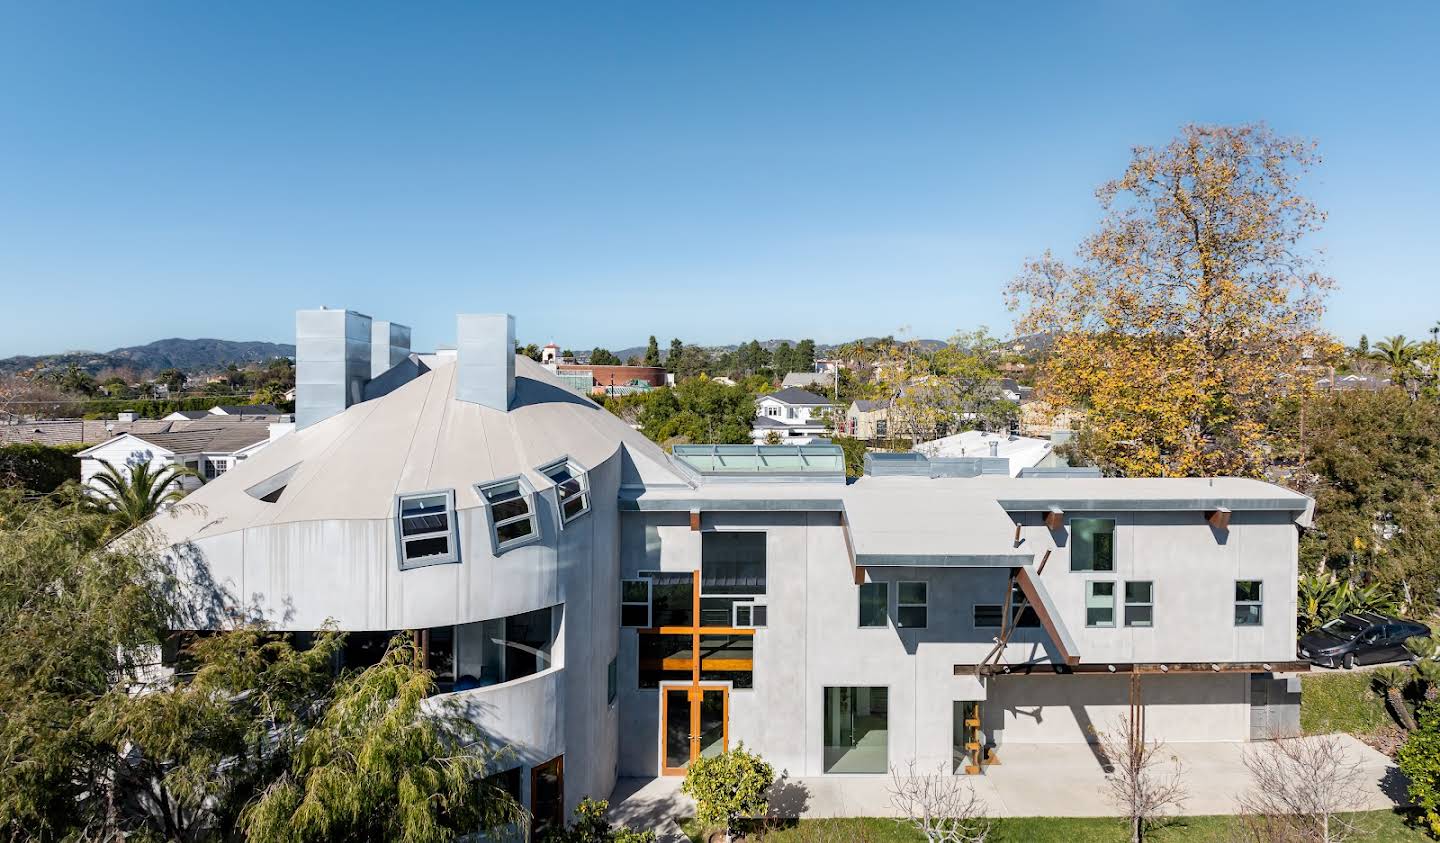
<point>1360,638</point>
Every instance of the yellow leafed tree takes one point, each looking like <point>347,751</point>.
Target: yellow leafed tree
<point>1189,314</point>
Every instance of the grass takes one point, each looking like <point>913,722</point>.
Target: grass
<point>1382,827</point>
<point>1342,701</point>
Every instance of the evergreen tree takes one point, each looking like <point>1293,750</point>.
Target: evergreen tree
<point>603,357</point>
<point>677,348</point>
<point>652,352</point>
<point>804,356</point>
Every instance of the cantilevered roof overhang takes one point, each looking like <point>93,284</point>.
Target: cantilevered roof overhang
<point>920,522</point>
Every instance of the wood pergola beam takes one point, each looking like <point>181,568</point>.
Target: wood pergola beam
<point>1125,668</point>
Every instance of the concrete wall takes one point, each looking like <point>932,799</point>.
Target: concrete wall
<point>1069,709</point>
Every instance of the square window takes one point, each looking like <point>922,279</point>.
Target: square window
<point>1099,603</point>
<point>911,609</point>
<point>732,562</point>
<point>426,527</point>
<point>1092,544</point>
<point>874,604</point>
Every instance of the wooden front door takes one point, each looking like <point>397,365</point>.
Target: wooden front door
<point>547,796</point>
<point>694,722</point>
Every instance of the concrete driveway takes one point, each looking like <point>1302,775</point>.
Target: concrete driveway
<point>1032,780</point>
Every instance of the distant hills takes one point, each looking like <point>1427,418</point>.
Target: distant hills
<point>190,356</point>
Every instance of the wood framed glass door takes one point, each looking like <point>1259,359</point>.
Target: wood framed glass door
<point>694,723</point>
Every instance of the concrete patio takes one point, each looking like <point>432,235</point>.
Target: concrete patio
<point>1033,780</point>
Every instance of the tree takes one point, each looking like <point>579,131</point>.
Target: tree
<point>728,786</point>
<point>1419,759</point>
<point>173,378</point>
<point>698,410</point>
<point>217,733</point>
<point>130,496</point>
<point>1140,782</point>
<point>673,359</point>
<point>38,468</point>
<point>942,807</point>
<point>1400,355</point>
<point>603,357</point>
<point>1188,314</point>
<point>1305,790</point>
<point>652,352</point>
<point>77,618</point>
<point>1373,462</point>
<point>1323,597</point>
<point>1390,683</point>
<point>783,360</point>
<point>384,763</point>
<point>804,358</point>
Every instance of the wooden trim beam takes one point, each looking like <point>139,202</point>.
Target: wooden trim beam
<point>1126,668</point>
<point>1219,518</point>
<point>1051,628</point>
<point>695,520</point>
<point>1055,519</point>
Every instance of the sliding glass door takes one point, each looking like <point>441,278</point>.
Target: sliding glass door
<point>857,730</point>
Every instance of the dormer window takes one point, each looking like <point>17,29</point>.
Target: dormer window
<point>426,525</point>
<point>511,504</point>
<point>572,488</point>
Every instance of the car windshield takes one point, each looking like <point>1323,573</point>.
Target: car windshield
<point>1343,628</point>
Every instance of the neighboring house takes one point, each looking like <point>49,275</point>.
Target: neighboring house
<point>1020,452</point>
<point>607,609</point>
<point>1040,420</point>
<point>1352,381</point>
<point>867,419</point>
<point>208,449</point>
<point>609,380</point>
<point>809,380</point>
<point>794,415</point>
<point>269,412</point>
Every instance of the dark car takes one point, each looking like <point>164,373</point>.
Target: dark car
<point>1360,638</point>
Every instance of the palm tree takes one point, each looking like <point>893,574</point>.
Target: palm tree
<point>133,496</point>
<point>1399,354</point>
<point>1390,682</point>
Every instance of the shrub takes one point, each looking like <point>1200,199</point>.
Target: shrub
<point>590,826</point>
<point>728,786</point>
<point>38,468</point>
<point>1419,759</point>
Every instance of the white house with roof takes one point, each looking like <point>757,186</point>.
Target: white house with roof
<point>794,415</point>
<point>1019,452</point>
<point>606,609</point>
<point>208,448</point>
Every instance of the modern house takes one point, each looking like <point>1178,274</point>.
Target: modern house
<point>607,609</point>
<point>794,415</point>
<point>867,419</point>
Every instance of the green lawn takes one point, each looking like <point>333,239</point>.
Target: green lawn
<point>1342,701</point>
<point>1383,827</point>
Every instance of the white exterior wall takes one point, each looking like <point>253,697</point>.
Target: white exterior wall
<point>124,452</point>
<point>813,639</point>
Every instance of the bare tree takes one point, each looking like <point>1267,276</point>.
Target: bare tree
<point>1303,789</point>
<point>1145,781</point>
<point>941,806</point>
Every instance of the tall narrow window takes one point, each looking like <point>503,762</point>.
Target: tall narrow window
<point>1092,544</point>
<point>732,571</point>
<point>911,605</point>
<point>512,513</point>
<point>874,604</point>
<point>1249,603</point>
<point>749,615</point>
<point>426,526</point>
<point>1139,604</point>
<point>572,488</point>
<point>635,603</point>
<point>612,681</point>
<point>1099,603</point>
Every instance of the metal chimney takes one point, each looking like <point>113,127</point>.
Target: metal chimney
<point>485,355</point>
<point>332,362</point>
<point>389,346</point>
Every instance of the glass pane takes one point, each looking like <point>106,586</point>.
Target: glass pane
<point>440,655</point>
<point>1137,592</point>
<point>510,509</point>
<point>1247,590</point>
<point>743,615</point>
<point>874,603</point>
<point>732,563</point>
<point>857,734</point>
<point>672,603</point>
<point>634,616</point>
<point>1247,615</point>
<point>760,616</point>
<point>717,611</point>
<point>911,592</point>
<point>573,506</point>
<point>634,591</point>
<point>1092,544</point>
<point>988,616</point>
<point>712,723</point>
<point>662,657</point>
<point>515,530</point>
<point>677,728</point>
<point>421,548</point>
<point>1138,615</point>
<point>434,522</point>
<point>910,617</point>
<point>1100,604</point>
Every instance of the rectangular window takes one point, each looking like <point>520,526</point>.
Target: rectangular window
<point>612,681</point>
<point>572,488</point>
<point>1092,544</point>
<point>216,466</point>
<point>507,781</point>
<point>911,605</point>
<point>874,604</point>
<point>749,615</point>
<point>635,603</point>
<point>426,525</point>
<point>512,513</point>
<point>732,570</point>
<point>671,598</point>
<point>1099,603</point>
<point>1249,604</point>
<point>857,730</point>
<point>882,428</point>
<point>988,615</point>
<point>1139,604</point>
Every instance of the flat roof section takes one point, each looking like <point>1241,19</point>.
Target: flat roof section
<point>811,463</point>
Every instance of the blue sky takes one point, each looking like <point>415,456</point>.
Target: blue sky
<point>604,171</point>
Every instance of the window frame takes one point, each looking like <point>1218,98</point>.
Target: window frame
<point>901,604</point>
<point>1258,604</point>
<point>452,533</point>
<point>1126,603</point>
<point>1070,530</point>
<point>612,681</point>
<point>527,493</point>
<point>649,602</point>
<point>859,603</point>
<point>580,474</point>
<point>1114,599</point>
<point>751,605</point>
